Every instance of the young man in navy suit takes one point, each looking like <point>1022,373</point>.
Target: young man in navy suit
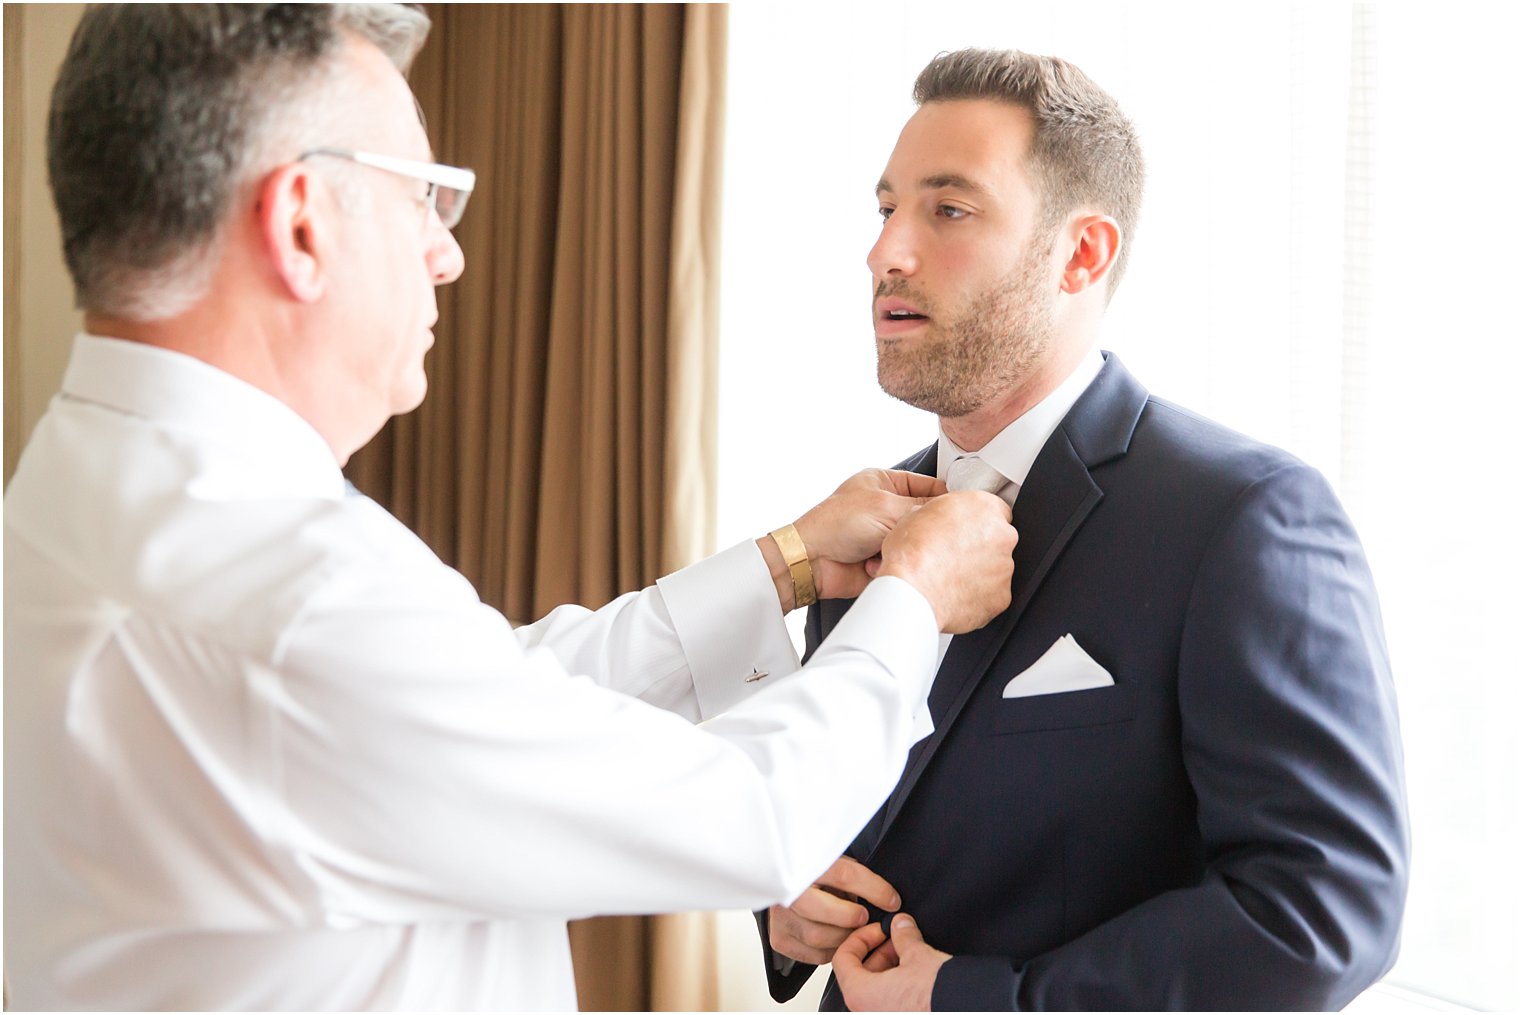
<point>1169,776</point>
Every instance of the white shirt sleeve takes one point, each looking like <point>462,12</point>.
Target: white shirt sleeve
<point>688,644</point>
<point>470,774</point>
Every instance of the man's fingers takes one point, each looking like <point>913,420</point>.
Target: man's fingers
<point>905,934</point>
<point>882,959</point>
<point>889,511</point>
<point>799,939</point>
<point>849,957</point>
<point>987,498</point>
<point>911,484</point>
<point>821,906</point>
<point>855,878</point>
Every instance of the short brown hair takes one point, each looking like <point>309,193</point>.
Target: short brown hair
<point>1084,152</point>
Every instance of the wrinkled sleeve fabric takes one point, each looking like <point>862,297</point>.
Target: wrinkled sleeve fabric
<point>1290,738</point>
<point>690,644</point>
<point>473,772</point>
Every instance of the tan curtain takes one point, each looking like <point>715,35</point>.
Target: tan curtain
<point>14,422</point>
<point>565,450</point>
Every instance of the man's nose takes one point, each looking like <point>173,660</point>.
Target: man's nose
<point>445,260</point>
<point>894,253</point>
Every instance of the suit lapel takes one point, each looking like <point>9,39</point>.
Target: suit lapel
<point>925,463</point>
<point>1057,496</point>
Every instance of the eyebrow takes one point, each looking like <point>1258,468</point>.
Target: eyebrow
<point>939,181</point>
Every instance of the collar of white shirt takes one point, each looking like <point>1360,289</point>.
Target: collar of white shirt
<point>1013,451</point>
<point>277,451</point>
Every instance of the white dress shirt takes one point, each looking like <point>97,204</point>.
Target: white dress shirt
<point>264,750</point>
<point>1013,451</point>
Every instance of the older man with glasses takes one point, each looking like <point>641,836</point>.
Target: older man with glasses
<point>263,749</point>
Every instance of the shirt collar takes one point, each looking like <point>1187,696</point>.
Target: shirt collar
<point>1013,451</point>
<point>280,450</point>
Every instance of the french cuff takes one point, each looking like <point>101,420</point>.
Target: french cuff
<point>725,613</point>
<point>973,983</point>
<point>894,623</point>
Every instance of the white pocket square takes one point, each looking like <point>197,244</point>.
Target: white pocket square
<point>923,723</point>
<point>1063,667</point>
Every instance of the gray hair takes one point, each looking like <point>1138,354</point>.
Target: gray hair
<point>160,114</point>
<point>1085,150</point>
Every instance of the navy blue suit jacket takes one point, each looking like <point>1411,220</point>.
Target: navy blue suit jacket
<point>1224,827</point>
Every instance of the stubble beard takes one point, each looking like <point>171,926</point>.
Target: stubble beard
<point>988,350</point>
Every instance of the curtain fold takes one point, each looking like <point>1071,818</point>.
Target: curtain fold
<point>15,423</point>
<point>691,431</point>
<point>565,451</point>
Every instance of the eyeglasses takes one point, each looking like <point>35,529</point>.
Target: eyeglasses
<point>449,187</point>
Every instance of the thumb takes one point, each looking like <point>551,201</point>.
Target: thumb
<point>907,507</point>
<point>905,934</point>
<point>895,508</point>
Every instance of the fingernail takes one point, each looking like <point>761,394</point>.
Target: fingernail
<point>895,903</point>
<point>902,920</point>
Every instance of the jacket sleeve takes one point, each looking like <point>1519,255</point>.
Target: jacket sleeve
<point>784,977</point>
<point>1290,738</point>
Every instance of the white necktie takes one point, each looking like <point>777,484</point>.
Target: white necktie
<point>971,473</point>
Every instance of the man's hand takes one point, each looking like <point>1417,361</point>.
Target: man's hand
<point>847,529</point>
<point>958,551</point>
<point>875,974</point>
<point>812,927</point>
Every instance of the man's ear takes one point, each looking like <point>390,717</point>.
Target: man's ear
<point>1095,246</point>
<point>294,216</point>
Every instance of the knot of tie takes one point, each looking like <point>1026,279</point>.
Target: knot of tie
<point>971,473</point>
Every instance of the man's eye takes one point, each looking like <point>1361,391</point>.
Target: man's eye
<point>886,212</point>
<point>951,212</point>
